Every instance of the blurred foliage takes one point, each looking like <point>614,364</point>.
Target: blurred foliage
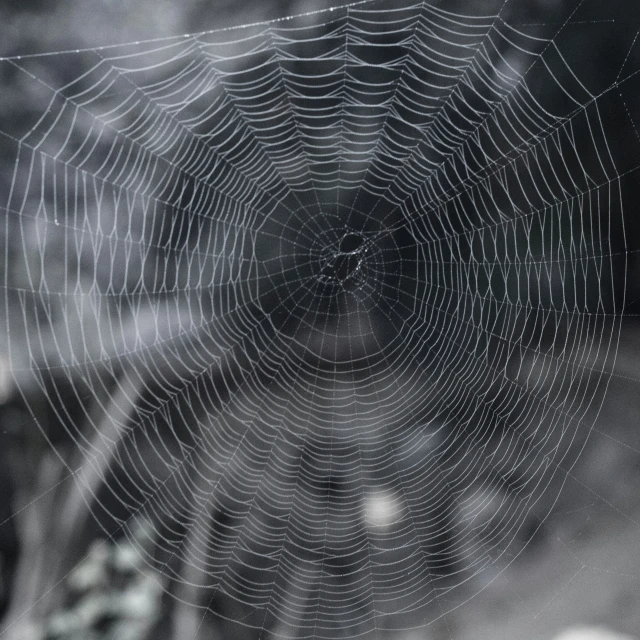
<point>110,595</point>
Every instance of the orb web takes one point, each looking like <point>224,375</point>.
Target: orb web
<point>329,302</point>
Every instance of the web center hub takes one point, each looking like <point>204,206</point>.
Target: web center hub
<point>343,262</point>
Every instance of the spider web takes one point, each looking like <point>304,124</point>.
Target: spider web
<point>331,302</point>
